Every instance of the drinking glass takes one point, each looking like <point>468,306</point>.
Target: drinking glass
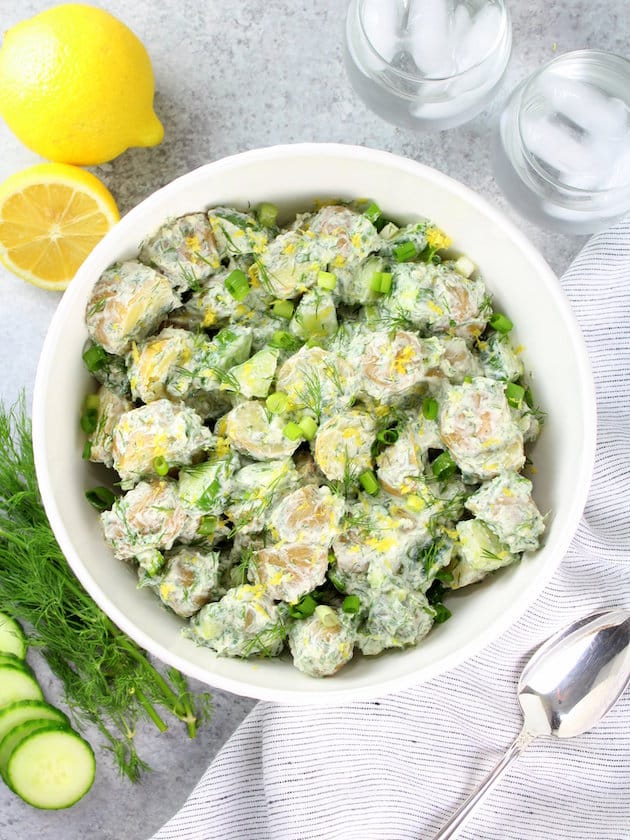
<point>427,64</point>
<point>561,151</point>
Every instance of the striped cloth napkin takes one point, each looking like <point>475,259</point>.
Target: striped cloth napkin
<point>398,767</point>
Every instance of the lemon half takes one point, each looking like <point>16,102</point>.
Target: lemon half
<point>51,217</point>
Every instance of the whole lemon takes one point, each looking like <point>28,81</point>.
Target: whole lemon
<point>76,86</point>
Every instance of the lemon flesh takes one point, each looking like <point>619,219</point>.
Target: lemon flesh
<point>76,86</point>
<point>51,217</point>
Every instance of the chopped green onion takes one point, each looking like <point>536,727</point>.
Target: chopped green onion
<point>283,309</point>
<point>442,613</point>
<point>326,280</point>
<point>277,402</point>
<point>464,266</point>
<point>381,282</point>
<point>284,340</point>
<point>429,408</point>
<point>308,427</point>
<point>444,576</point>
<point>92,401</point>
<point>95,358</point>
<point>87,450</point>
<point>351,604</point>
<point>160,465</point>
<point>207,526</point>
<point>267,214</point>
<point>443,467</point>
<point>468,379</point>
<point>529,397</point>
<point>237,284</point>
<point>292,431</point>
<point>327,616</point>
<point>373,213</point>
<point>500,323</point>
<point>89,420</point>
<point>100,498</point>
<point>305,606</point>
<point>336,581</point>
<point>405,251</point>
<point>388,436</point>
<point>369,482</point>
<point>514,394</point>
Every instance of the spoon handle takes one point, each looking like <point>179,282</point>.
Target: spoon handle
<point>462,814</point>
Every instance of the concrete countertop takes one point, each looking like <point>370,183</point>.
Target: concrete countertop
<point>231,77</point>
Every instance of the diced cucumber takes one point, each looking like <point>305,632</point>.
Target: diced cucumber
<point>12,638</point>
<point>16,713</point>
<point>253,378</point>
<point>16,683</point>
<point>15,735</point>
<point>51,768</point>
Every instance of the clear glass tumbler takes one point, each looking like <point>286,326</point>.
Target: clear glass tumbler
<point>427,64</point>
<point>561,152</point>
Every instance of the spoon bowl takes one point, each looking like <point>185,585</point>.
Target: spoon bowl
<point>566,688</point>
<point>575,677</point>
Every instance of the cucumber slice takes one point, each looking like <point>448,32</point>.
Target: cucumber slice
<point>12,638</point>
<point>51,768</point>
<point>17,684</point>
<point>13,738</point>
<point>23,710</point>
<point>11,659</point>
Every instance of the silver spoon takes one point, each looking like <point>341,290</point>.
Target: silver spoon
<point>567,686</point>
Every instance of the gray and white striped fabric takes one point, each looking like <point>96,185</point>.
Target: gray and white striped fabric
<point>398,767</point>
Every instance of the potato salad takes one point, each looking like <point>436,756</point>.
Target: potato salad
<point>316,430</point>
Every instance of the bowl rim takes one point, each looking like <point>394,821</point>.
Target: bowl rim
<point>333,695</point>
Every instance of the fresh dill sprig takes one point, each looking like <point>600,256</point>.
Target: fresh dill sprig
<point>190,278</point>
<point>107,679</point>
<point>263,643</point>
<point>311,394</point>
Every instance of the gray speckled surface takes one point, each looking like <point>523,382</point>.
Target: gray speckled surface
<point>232,77</point>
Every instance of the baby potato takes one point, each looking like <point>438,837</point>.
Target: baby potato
<point>506,506</point>
<point>376,537</point>
<point>254,432</point>
<point>437,298</point>
<point>288,571</point>
<point>128,302</point>
<point>477,426</point>
<point>236,233</point>
<point>344,443</point>
<point>148,518</point>
<point>499,359</point>
<point>344,237</point>
<point>190,580</point>
<point>288,266</point>
<point>184,249</point>
<point>396,618</point>
<point>322,643</point>
<point>394,366</point>
<point>317,381</point>
<point>310,514</point>
<point>400,466</point>
<point>111,407</point>
<point>254,491</point>
<point>158,430</point>
<point>478,552</point>
<point>245,622</point>
<point>153,363</point>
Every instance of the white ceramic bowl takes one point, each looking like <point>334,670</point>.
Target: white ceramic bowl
<point>523,286</point>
